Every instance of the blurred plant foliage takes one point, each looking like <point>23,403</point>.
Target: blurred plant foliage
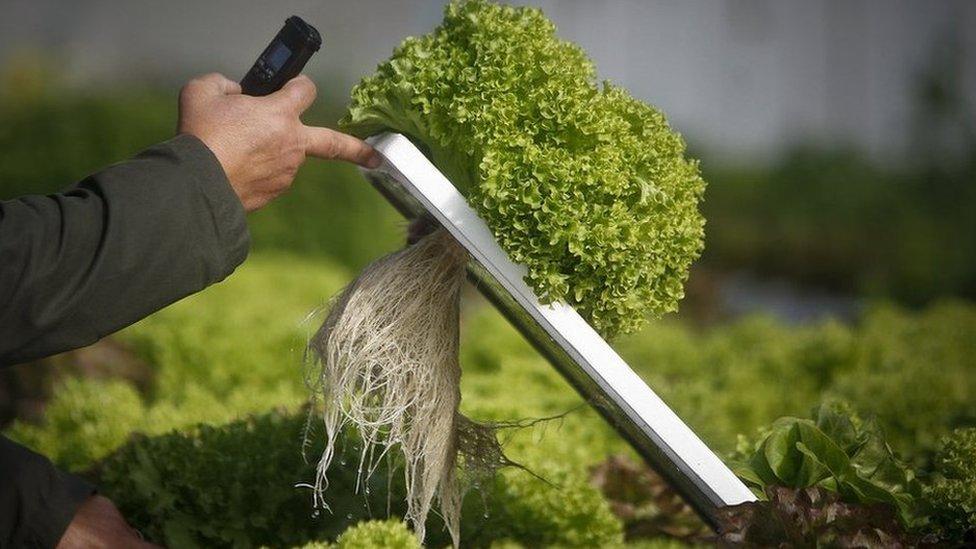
<point>833,219</point>
<point>206,426</point>
<point>828,216</point>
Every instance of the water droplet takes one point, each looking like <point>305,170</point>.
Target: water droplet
<point>315,514</point>
<point>349,516</point>
<point>485,515</point>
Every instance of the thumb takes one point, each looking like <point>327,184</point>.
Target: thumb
<point>296,95</point>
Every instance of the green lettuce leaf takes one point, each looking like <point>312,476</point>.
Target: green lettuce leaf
<point>586,186</point>
<point>835,450</point>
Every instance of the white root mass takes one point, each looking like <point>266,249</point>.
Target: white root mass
<point>386,363</point>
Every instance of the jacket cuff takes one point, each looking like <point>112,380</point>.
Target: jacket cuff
<point>38,500</point>
<point>57,511</point>
<point>228,213</point>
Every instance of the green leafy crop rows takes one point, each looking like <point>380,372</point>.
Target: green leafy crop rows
<point>209,429</point>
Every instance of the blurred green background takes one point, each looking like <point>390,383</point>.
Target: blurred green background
<point>827,275</point>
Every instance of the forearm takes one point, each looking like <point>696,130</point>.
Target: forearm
<point>114,248</point>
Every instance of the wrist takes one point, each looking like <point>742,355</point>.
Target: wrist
<point>218,153</point>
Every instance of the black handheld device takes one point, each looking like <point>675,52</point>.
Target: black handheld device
<point>283,59</point>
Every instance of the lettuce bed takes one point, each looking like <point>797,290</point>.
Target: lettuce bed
<point>222,423</point>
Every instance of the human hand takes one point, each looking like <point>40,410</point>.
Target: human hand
<point>261,141</point>
<point>97,524</point>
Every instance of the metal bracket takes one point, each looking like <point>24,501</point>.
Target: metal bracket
<point>412,184</point>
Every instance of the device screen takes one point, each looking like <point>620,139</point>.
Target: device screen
<point>278,55</point>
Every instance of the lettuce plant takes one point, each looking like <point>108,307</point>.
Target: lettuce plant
<point>813,517</point>
<point>586,186</point>
<point>378,534</point>
<point>837,451</point>
<point>243,484</point>
<point>950,497</point>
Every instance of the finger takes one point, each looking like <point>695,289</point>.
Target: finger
<point>297,94</point>
<point>333,145</point>
<point>214,84</point>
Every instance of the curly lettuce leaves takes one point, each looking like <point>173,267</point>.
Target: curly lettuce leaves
<point>586,186</point>
<point>950,494</point>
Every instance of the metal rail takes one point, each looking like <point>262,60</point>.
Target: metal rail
<point>413,185</point>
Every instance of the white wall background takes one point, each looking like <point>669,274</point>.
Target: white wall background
<point>742,78</point>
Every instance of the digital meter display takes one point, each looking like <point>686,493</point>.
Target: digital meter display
<point>282,59</point>
<point>277,56</point>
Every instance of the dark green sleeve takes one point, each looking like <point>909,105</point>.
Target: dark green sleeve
<point>37,502</point>
<point>114,248</point>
